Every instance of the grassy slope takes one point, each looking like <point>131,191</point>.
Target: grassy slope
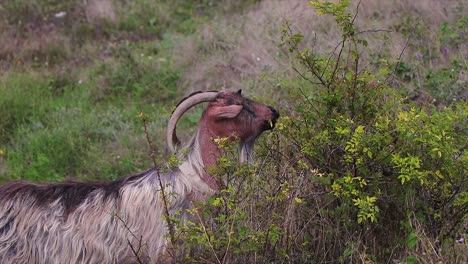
<point>72,86</point>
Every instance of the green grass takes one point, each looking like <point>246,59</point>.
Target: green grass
<point>52,129</point>
<point>25,100</point>
<point>82,122</point>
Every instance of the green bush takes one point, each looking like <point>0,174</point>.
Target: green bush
<point>387,163</point>
<point>352,173</point>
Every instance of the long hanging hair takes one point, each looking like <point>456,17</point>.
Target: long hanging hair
<point>104,222</point>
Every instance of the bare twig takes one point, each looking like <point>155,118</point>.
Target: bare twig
<point>392,74</point>
<point>304,77</point>
<point>337,63</point>
<point>398,60</point>
<point>136,252</point>
<point>163,193</point>
<point>331,56</point>
<point>229,242</point>
<point>207,237</point>
<point>357,12</point>
<point>373,31</point>
<point>305,61</point>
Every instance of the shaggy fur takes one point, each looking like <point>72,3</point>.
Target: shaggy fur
<point>75,222</point>
<point>94,222</point>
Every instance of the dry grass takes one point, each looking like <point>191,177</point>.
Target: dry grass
<point>240,47</point>
<point>38,43</point>
<point>98,10</point>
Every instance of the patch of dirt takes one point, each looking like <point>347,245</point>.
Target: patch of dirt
<point>58,37</point>
<point>37,42</point>
<point>98,10</point>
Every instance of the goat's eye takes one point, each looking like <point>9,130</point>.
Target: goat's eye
<point>231,101</point>
<point>249,110</point>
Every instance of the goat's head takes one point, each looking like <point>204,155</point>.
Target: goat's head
<point>228,114</point>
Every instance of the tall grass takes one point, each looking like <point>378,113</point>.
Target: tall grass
<point>25,100</point>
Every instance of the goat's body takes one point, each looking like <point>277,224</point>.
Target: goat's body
<point>123,221</point>
<point>39,225</point>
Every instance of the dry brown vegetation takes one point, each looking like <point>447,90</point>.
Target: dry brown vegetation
<point>239,47</point>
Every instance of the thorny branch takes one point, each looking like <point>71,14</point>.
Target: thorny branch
<point>392,74</point>
<point>138,251</point>
<point>205,232</point>
<point>307,63</point>
<point>170,223</point>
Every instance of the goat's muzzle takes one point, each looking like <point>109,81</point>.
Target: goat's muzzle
<point>270,124</point>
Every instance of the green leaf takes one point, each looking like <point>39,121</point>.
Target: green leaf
<point>411,259</point>
<point>411,240</point>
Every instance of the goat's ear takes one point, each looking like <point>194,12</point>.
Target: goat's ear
<point>222,112</point>
<point>239,92</point>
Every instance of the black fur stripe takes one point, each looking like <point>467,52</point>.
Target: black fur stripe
<point>71,193</point>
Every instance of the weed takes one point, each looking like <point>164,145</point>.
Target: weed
<point>343,174</point>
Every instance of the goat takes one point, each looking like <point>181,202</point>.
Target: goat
<point>96,222</point>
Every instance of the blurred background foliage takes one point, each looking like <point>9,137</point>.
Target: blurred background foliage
<point>367,163</point>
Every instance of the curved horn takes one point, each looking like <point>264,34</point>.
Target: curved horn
<point>182,107</point>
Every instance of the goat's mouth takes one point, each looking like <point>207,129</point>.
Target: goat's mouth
<point>270,124</point>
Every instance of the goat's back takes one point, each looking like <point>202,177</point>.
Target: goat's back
<point>75,222</point>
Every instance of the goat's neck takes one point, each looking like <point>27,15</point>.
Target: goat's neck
<point>209,154</point>
<point>204,155</point>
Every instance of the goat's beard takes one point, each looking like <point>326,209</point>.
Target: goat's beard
<point>246,152</point>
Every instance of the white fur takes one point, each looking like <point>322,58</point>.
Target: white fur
<point>100,230</point>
